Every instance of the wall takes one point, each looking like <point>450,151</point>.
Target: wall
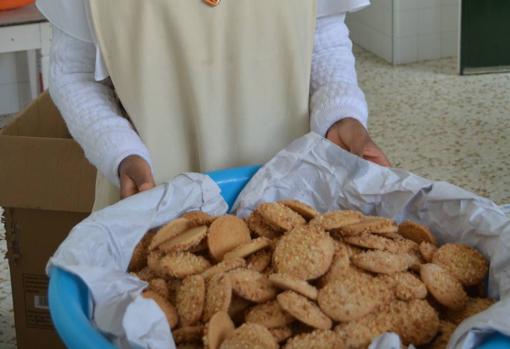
<point>14,83</point>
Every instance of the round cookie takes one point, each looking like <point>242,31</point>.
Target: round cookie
<point>279,216</point>
<point>463,262</point>
<point>188,334</point>
<point>168,309</point>
<point>269,314</point>
<point>407,286</point>
<point>427,251</point>
<point>349,299</point>
<point>416,232</point>
<point>317,339</point>
<point>373,242</point>
<point>289,282</point>
<point>333,221</point>
<point>250,336</point>
<point>281,334</point>
<point>473,307</point>
<point>416,322</point>
<point>146,274</point>
<point>304,310</point>
<point>259,261</point>
<point>223,267</point>
<point>159,286</point>
<point>306,211</point>
<point>168,231</point>
<point>217,330</point>
<point>190,300</point>
<point>226,233</point>
<point>305,252</point>
<point>198,218</point>
<point>443,286</point>
<point>258,226</point>
<point>139,256</point>
<point>247,248</point>
<point>446,330</point>
<point>382,262</point>
<point>252,285</point>
<point>359,333</point>
<point>374,225</point>
<point>184,241</point>
<point>218,295</point>
<point>182,264</point>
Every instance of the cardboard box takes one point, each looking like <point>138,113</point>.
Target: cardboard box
<point>46,187</point>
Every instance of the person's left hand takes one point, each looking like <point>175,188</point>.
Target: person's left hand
<point>352,136</point>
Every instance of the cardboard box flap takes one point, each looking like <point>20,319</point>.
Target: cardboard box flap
<point>40,119</point>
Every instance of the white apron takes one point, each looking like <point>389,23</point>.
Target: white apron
<point>208,87</point>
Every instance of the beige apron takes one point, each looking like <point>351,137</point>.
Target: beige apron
<point>208,87</point>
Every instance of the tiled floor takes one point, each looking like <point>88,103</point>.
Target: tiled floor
<point>428,120</point>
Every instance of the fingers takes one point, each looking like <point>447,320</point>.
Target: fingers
<point>376,155</point>
<point>127,187</point>
<point>135,176</point>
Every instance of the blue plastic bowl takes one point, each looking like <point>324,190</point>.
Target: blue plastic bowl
<point>69,298</point>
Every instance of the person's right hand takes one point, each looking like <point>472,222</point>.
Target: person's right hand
<point>135,176</point>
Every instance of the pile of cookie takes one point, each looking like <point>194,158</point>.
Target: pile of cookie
<point>290,276</point>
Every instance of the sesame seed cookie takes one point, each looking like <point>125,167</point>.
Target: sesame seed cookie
<point>182,264</point>
<point>269,314</point>
<point>427,251</point>
<point>173,285</point>
<point>382,262</point>
<point>373,242</point>
<point>184,241</point>
<point>462,261</point>
<point>407,286</point>
<point>281,334</point>
<point>317,339</point>
<point>188,334</point>
<point>279,216</point>
<point>259,261</point>
<point>306,211</point>
<point>226,233</point>
<point>168,309</point>
<point>219,327</point>
<point>224,267</point>
<point>289,282</point>
<point>305,252</point>
<point>443,286</point>
<point>154,263</point>
<point>333,221</point>
<point>248,248</point>
<point>359,333</point>
<point>250,336</point>
<point>416,322</point>
<point>349,299</point>
<point>252,285</point>
<point>416,232</point>
<point>473,307</point>
<point>146,274</point>
<point>168,231</point>
<point>258,226</point>
<point>304,310</point>
<point>198,218</point>
<point>190,299</point>
<point>218,295</point>
<point>374,225</point>
<point>446,330</point>
<point>160,287</point>
<point>139,256</point>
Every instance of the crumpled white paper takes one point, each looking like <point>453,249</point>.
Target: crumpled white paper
<point>313,170</point>
<point>317,172</point>
<point>99,249</point>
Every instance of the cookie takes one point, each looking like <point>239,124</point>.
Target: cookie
<point>317,339</point>
<point>258,226</point>
<point>443,286</point>
<point>250,336</point>
<point>173,285</point>
<point>218,295</point>
<point>219,327</point>
<point>182,264</point>
<point>146,274</point>
<point>473,307</point>
<point>279,216</point>
<point>416,322</point>
<point>406,286</point>
<point>463,262</point>
<point>446,330</point>
<point>188,334</point>
<point>427,251</point>
<point>281,334</point>
<point>416,232</point>
<point>225,234</point>
<point>154,263</point>
<point>305,252</point>
<point>360,333</point>
<point>289,282</point>
<point>190,345</point>
<point>349,299</point>
<point>259,261</point>
<point>304,310</point>
<point>198,218</point>
<point>374,225</point>
<point>247,248</point>
<point>269,314</point>
<point>340,267</point>
<point>333,221</point>
<point>382,262</point>
<point>373,242</point>
<point>306,211</point>
<point>223,267</point>
<point>184,241</point>
<point>190,300</point>
<point>139,256</point>
<point>252,285</point>
<point>168,231</point>
<point>168,309</point>
<point>160,287</point>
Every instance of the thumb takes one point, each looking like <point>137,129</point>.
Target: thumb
<point>143,179</point>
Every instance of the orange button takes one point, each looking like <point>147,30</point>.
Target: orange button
<point>212,3</point>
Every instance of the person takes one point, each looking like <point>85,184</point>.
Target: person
<point>154,88</point>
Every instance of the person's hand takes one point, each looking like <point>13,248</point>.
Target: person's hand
<point>135,176</point>
<point>352,136</point>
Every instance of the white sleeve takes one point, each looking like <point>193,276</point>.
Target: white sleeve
<point>334,89</point>
<point>90,108</point>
